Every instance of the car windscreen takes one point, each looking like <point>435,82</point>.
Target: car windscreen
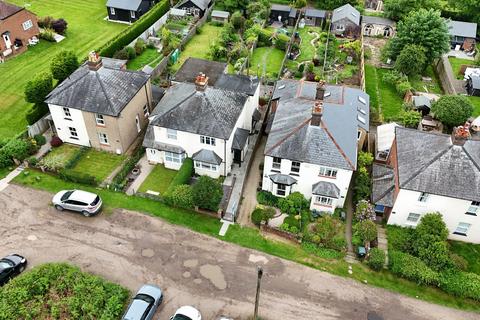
<point>181,317</point>
<point>144,297</point>
<point>94,203</point>
<point>66,195</point>
<point>5,264</point>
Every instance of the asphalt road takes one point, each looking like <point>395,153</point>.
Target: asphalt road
<point>217,277</point>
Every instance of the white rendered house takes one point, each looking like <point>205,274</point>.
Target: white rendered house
<point>313,141</point>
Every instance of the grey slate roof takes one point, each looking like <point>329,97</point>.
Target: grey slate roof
<point>335,142</point>
<point>207,156</point>
<point>348,12</point>
<point>213,112</point>
<point>149,142</point>
<point>125,4</point>
<point>193,66</point>
<point>383,185</point>
<point>201,4</point>
<point>281,7</point>
<point>293,13</point>
<point>431,163</point>
<point>282,179</point>
<point>327,189</point>
<point>315,13</point>
<point>240,138</point>
<point>378,20</point>
<point>462,29</point>
<point>8,9</point>
<point>420,101</point>
<point>238,83</point>
<point>113,63</point>
<point>220,14</point>
<point>105,91</point>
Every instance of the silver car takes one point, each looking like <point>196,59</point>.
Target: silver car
<point>145,303</point>
<point>84,202</point>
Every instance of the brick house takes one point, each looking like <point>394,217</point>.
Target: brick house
<point>17,27</point>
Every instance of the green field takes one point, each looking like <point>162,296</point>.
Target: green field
<point>86,31</point>
<point>158,180</point>
<point>268,58</point>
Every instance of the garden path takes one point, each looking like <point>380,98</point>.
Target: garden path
<point>145,169</point>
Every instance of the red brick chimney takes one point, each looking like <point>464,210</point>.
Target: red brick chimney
<point>460,135</point>
<point>94,61</point>
<point>320,94</point>
<point>201,82</point>
<point>317,112</point>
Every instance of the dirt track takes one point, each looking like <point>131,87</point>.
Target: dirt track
<point>217,277</point>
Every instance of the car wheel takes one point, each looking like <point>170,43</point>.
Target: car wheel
<point>58,207</point>
<point>22,268</point>
<point>86,213</point>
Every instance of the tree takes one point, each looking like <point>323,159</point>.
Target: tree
<point>294,203</point>
<point>364,211</point>
<point>333,4</point>
<point>207,193</point>
<point>410,118</point>
<point>63,65</point>
<point>364,159</point>
<point>422,26</point>
<point>299,3</point>
<point>38,88</point>
<point>366,230</point>
<point>363,185</point>
<point>398,9</point>
<point>469,8</point>
<point>60,26</point>
<point>411,60</point>
<point>232,5</point>
<point>452,110</point>
<point>237,20</point>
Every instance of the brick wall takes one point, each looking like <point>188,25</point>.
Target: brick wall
<point>13,24</point>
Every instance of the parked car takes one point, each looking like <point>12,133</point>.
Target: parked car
<point>11,266</point>
<point>187,313</point>
<point>84,202</point>
<point>145,303</point>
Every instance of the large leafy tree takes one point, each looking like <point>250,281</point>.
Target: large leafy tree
<point>411,60</point>
<point>64,64</point>
<point>424,27</point>
<point>398,9</point>
<point>207,193</point>
<point>38,88</point>
<point>452,110</point>
<point>332,4</point>
<point>469,8</point>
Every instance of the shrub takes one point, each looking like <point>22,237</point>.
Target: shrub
<point>36,113</point>
<point>257,216</point>
<point>180,196</point>
<point>461,284</point>
<point>41,140</point>
<point>121,54</point>
<point>410,119</point>
<point>237,20</point>
<point>401,239</point>
<point>63,65</point>
<point>430,229</point>
<point>403,87</point>
<point>328,233</point>
<point>365,159</point>
<point>56,142</point>
<point>282,42</point>
<point>139,46</point>
<point>366,230</point>
<point>38,88</point>
<point>292,221</point>
<point>48,35</point>
<point>60,26</point>
<point>77,177</point>
<point>294,203</point>
<point>5,161</point>
<point>411,60</point>
<point>436,256</point>
<point>376,259</point>
<point>325,253</point>
<point>183,175</point>
<point>131,53</point>
<point>72,162</point>
<point>364,211</point>
<point>264,38</point>
<point>207,193</point>
<point>267,198</point>
<point>52,162</point>
<point>32,161</point>
<point>452,110</point>
<point>45,22</point>
<point>363,185</point>
<point>411,268</point>
<point>118,181</point>
<point>17,149</point>
<point>393,77</point>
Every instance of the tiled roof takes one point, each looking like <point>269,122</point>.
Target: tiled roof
<point>124,4</point>
<point>193,66</point>
<point>240,139</point>
<point>462,29</point>
<point>7,9</point>
<point>282,179</point>
<point>348,12</point>
<point>383,185</point>
<point>207,156</point>
<point>327,189</point>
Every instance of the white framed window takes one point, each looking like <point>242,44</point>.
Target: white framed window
<point>66,112</point>
<point>277,163</point>
<point>174,157</point>
<point>102,137</point>
<point>27,24</point>
<point>112,10</point>
<point>206,166</point>
<point>473,209</point>
<point>207,140</point>
<point>413,217</point>
<point>172,134</point>
<point>340,27</point>
<point>295,167</point>
<point>99,119</point>
<point>327,172</point>
<point>423,197</point>
<point>132,14</point>
<point>146,113</point>
<point>462,228</point>
<point>281,189</point>
<point>325,201</point>
<point>73,133</point>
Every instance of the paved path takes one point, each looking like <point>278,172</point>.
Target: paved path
<point>218,277</point>
<point>145,170</point>
<point>4,183</point>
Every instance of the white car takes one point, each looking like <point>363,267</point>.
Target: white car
<point>86,203</point>
<point>187,313</point>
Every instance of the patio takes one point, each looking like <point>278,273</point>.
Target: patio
<point>460,55</point>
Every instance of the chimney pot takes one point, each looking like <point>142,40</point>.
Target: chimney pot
<point>320,94</point>
<point>460,135</point>
<point>317,112</point>
<point>94,61</point>
<point>201,81</point>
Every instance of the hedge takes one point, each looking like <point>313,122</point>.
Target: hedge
<point>412,268</point>
<point>267,198</point>
<point>135,30</point>
<point>183,175</point>
<point>119,180</point>
<point>72,162</point>
<point>461,284</point>
<point>376,259</point>
<point>77,177</point>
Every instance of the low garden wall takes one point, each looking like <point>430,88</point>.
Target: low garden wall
<point>280,233</point>
<point>445,74</point>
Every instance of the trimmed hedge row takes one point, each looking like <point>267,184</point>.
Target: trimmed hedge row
<point>183,175</point>
<point>412,268</point>
<point>118,182</point>
<point>267,198</point>
<point>72,162</point>
<point>135,30</point>
<point>77,177</point>
<point>461,284</point>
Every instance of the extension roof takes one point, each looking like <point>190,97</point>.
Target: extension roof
<point>201,4</point>
<point>212,112</point>
<point>240,138</point>
<point>421,101</point>
<point>220,14</point>
<point>462,29</point>
<point>475,81</point>
<point>7,10</point>
<point>282,179</point>
<point>383,185</point>
<point>193,66</point>
<point>309,12</point>
<point>346,12</point>
<point>378,20</point>
<point>327,189</point>
<point>281,7</point>
<point>334,143</point>
<point>105,91</point>
<point>429,162</point>
<point>132,5</point>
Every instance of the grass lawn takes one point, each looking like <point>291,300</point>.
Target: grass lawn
<point>158,180</point>
<point>250,238</point>
<point>432,87</point>
<point>147,57</point>
<point>457,63</point>
<point>470,252</point>
<point>64,153</point>
<point>476,105</point>
<point>98,163</point>
<point>307,51</point>
<point>198,46</point>
<point>4,172</point>
<point>86,31</point>
<point>269,57</point>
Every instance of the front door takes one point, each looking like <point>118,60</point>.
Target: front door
<point>6,39</point>
<point>237,156</point>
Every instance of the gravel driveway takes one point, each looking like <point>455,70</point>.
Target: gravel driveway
<point>217,277</point>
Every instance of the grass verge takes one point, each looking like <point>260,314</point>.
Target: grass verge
<point>158,180</point>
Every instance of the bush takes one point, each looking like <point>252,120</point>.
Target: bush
<point>452,110</point>
<point>267,198</point>
<point>294,203</point>
<point>363,185</point>
<point>131,53</point>
<point>56,142</point>
<point>411,268</point>
<point>135,30</point>
<point>77,177</point>
<point>400,239</point>
<point>118,182</point>
<point>376,259</point>
<point>36,113</point>
<point>325,253</point>
<point>52,162</point>
<point>366,230</point>
<point>139,46</point>
<point>364,211</point>
<point>60,26</point>
<point>257,216</point>
<point>207,193</point>
<point>328,233</point>
<point>410,119</point>
<point>45,22</point>
<point>365,159</point>
<point>292,221</point>
<point>48,35</point>
<point>32,161</point>
<point>16,149</point>
<point>183,175</point>
<point>403,87</point>
<point>282,42</point>
<point>264,38</point>
<point>41,140</point>
<point>63,65</point>
<point>38,88</point>
<point>121,54</point>
<point>180,196</point>
<point>461,284</point>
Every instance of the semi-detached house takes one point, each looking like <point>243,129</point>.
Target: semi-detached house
<point>313,141</point>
